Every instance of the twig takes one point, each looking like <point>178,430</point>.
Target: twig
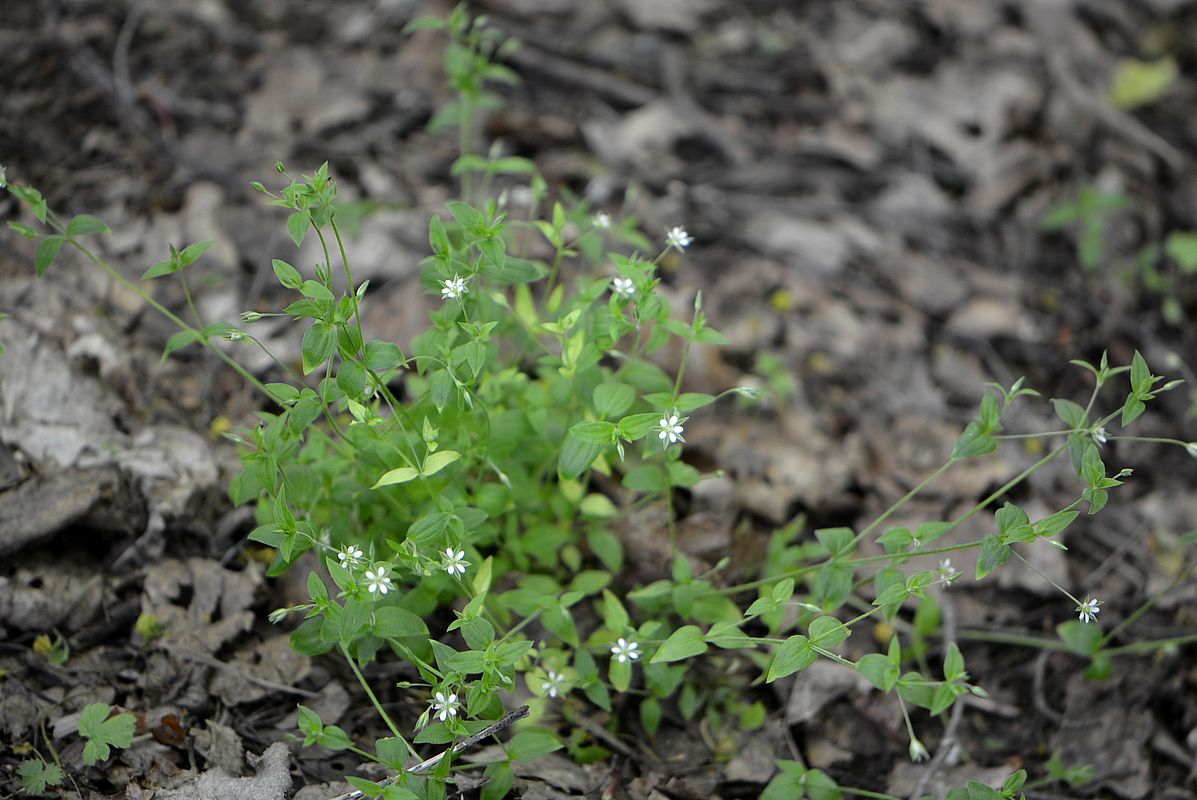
<point>464,744</point>
<point>1038,696</point>
<point>574,73</point>
<point>209,661</point>
<point>120,56</point>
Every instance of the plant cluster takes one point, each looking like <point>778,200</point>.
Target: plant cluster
<point>1163,268</point>
<point>456,506</point>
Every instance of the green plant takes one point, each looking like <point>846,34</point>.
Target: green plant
<point>1164,269</point>
<point>458,500</point>
<point>1168,273</point>
<point>1086,217</point>
<point>36,775</point>
<point>101,730</point>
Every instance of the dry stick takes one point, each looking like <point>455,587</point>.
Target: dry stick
<point>464,744</point>
<point>209,661</point>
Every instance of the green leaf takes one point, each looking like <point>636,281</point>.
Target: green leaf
<point>637,426</point>
<point>820,786</point>
<point>47,251</point>
<point>619,673</point>
<point>177,342</point>
<point>24,230</point>
<point>1082,639</point>
<point>500,779</point>
<point>319,344</point>
<point>833,584</point>
<point>953,664</point>
<point>685,642</point>
<point>1050,526</point>
<point>297,226</point>
<point>1182,248</point>
<point>192,252</point>
<point>392,622</point>
<point>794,654</point>
<point>1138,83</point>
<point>36,775</point>
<point>429,527</point>
<point>646,478</point>
<point>1073,414</point>
<point>879,671</point>
<point>993,555</point>
<point>601,433</point>
<point>692,401</point>
<point>287,275</point>
<point>979,791</point>
<point>380,355</point>
<point>1133,409</point>
<point>400,475</point>
<point>334,738</point>
<point>613,399</point>
<point>683,475</point>
<point>606,546</point>
<point>576,456</point>
<point>1140,376</point>
<point>468,217</point>
<point>974,441</point>
<point>314,290</point>
<point>438,461</point>
<point>530,745</point>
<point>102,733</point>
<point>828,632</point>
<point>86,224</point>
<point>836,540</point>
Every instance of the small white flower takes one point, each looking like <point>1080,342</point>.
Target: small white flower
<point>678,238</point>
<point>947,572</point>
<point>350,556</point>
<point>234,335</point>
<point>625,651</point>
<point>444,707</point>
<point>250,317</point>
<point>554,684</point>
<point>455,563</point>
<point>377,580</point>
<point>602,221</point>
<point>623,288</point>
<point>1191,449</point>
<point>1099,436</point>
<point>1088,610</point>
<point>670,429</point>
<point>917,751</point>
<point>453,288</point>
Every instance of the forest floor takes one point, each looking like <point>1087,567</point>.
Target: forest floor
<point>865,182</point>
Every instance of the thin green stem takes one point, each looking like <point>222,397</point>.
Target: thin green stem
<point>1010,484</point>
<point>361,679</point>
<point>174,318</point>
<point>1031,566</point>
<point>1040,435</point>
<point>906,498</point>
<point>996,637</point>
<point>1138,648</point>
<point>1150,439</point>
<point>357,312</point>
<point>1138,613</point>
<point>190,302</point>
<point>867,793</point>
